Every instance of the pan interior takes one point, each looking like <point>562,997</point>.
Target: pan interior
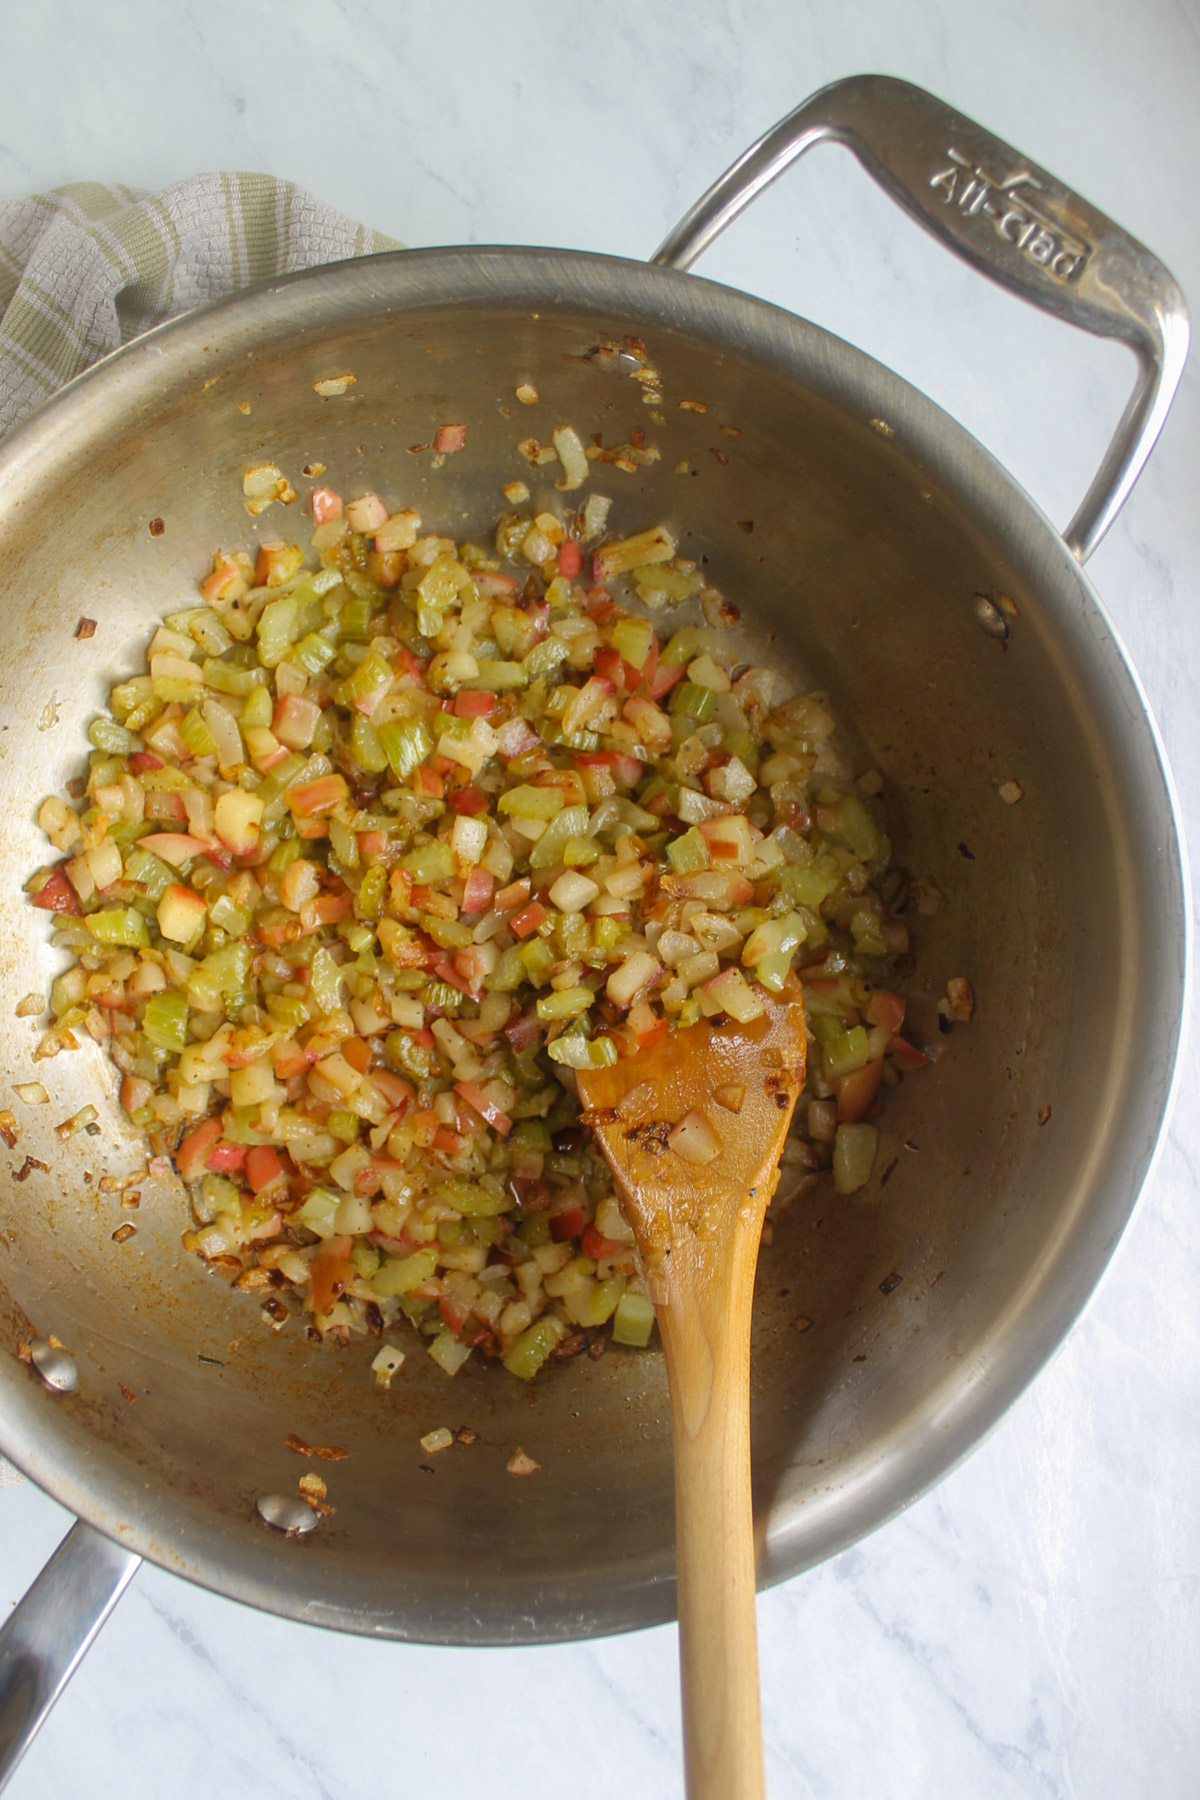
<point>855,526</point>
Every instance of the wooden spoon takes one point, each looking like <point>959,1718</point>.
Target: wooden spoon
<point>698,1225</point>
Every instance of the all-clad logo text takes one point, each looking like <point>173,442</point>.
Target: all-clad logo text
<point>1012,207</point>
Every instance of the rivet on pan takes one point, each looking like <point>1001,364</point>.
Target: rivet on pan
<point>990,617</point>
<point>295,1517</point>
<point>55,1366</point>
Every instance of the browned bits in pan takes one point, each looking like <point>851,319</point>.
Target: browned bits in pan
<point>327,1452</point>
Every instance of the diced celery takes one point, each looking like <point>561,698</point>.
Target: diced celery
<point>287,1010</point>
<point>537,958</point>
<point>165,1020</point>
<point>633,637</point>
<point>203,989</point>
<point>810,885</point>
<point>633,1320</point>
<point>319,1210</point>
<point>371,891</point>
<point>405,743</point>
<point>571,931</point>
<point>104,768</point>
<point>227,916</point>
<point>534,803</point>
<point>372,678</point>
<point>165,780</point>
<point>634,818</point>
<point>498,677</point>
<point>441,994</point>
<point>119,925</point>
<point>366,1259</point>
<point>575,1051</point>
<point>608,931</point>
<point>532,1134</point>
<point>344,1125</point>
<point>545,657</point>
<point>449,1352</point>
<point>354,620</point>
<point>365,748</point>
<point>526,1356</point>
<point>508,973</point>
<point>412,1059</point>
<point>429,863</point>
<point>442,584</point>
<point>195,733</point>
<point>772,970</point>
<point>688,854</point>
<point>867,931</point>
<point>566,1003</point>
<point>150,873</point>
<point>343,844</point>
<point>859,828</point>
<point>571,822</point>
<point>598,1303</point>
<point>280,779</point>
<point>691,701</point>
<point>228,678</point>
<point>110,737</point>
<point>472,1200</point>
<point>130,696</point>
<point>229,968</point>
<point>744,745</point>
<point>315,651</point>
<point>324,981</point>
<point>683,647</point>
<point>257,710</point>
<point>847,1052</point>
<point>854,1150</point>
<point>277,626</point>
<point>673,584</point>
<point>286,852</point>
<point>401,1274</point>
<point>578,852</point>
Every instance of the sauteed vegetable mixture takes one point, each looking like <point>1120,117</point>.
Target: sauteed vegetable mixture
<point>389,840</point>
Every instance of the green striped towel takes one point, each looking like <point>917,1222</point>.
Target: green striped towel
<point>84,268</point>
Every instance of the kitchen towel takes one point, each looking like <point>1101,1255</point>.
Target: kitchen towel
<point>86,267</point>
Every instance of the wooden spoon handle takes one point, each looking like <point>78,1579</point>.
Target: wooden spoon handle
<point>708,1364</point>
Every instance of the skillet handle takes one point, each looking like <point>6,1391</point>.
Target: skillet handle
<point>1005,216</point>
<point>44,1640</point>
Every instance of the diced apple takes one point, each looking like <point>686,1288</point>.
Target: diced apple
<point>192,1154</point>
<point>253,1084</point>
<point>104,862</point>
<point>310,798</point>
<point>181,913</point>
<point>174,847</point>
<point>729,839</point>
<point>366,514</point>
<point>237,817</point>
<point>326,505</point>
<point>399,532</point>
<point>636,972</point>
<point>277,562</point>
<point>295,721</point>
<point>301,882</point>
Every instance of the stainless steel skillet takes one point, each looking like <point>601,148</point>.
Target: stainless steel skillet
<point>883,539</point>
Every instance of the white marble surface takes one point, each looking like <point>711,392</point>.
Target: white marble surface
<point>1033,1627</point>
